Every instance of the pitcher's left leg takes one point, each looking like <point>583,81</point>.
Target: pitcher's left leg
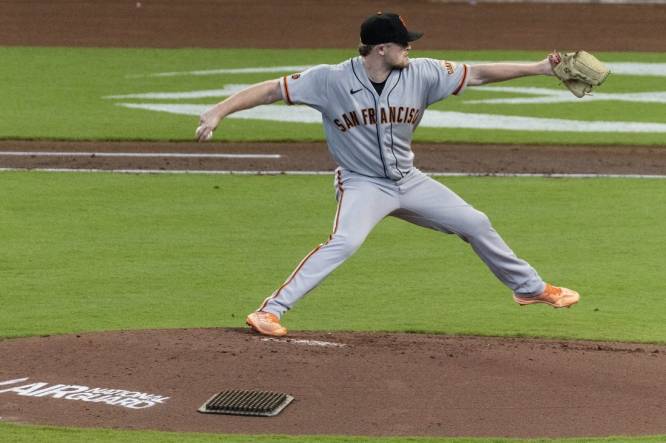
<point>430,204</point>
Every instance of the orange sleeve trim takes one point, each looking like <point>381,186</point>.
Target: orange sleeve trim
<point>286,91</point>
<point>462,82</point>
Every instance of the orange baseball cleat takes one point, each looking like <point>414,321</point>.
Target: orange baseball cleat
<point>552,295</point>
<point>266,323</point>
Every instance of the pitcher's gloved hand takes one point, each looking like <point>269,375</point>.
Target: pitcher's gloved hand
<point>580,71</point>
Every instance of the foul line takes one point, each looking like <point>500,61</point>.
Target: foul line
<point>250,172</point>
<point>133,154</point>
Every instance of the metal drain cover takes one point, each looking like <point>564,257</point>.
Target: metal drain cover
<point>237,402</point>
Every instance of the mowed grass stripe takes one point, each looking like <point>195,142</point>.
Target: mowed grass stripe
<point>22,433</point>
<point>86,252</point>
<point>69,90</point>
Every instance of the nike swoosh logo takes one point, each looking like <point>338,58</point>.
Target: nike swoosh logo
<point>352,92</point>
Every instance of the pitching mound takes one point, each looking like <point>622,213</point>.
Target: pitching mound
<point>343,383</point>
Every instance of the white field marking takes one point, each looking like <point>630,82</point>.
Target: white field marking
<point>114,397</point>
<point>431,119</point>
<point>224,92</point>
<point>12,382</point>
<point>258,70</point>
<point>295,114</point>
<point>545,95</point>
<point>617,68</point>
<point>170,171</point>
<point>132,154</point>
<point>324,344</point>
<point>257,172</point>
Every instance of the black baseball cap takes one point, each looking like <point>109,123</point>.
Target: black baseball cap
<point>386,27</point>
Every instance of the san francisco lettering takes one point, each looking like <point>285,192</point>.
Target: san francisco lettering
<point>367,116</point>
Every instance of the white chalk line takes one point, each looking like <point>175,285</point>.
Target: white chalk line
<point>133,154</point>
<point>431,119</point>
<point>543,95</point>
<point>226,91</point>
<point>323,344</point>
<point>258,172</point>
<point>657,69</point>
<point>254,70</point>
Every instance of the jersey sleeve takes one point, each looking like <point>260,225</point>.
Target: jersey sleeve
<point>444,78</point>
<point>306,88</point>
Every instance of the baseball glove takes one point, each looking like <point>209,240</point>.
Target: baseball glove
<point>580,71</point>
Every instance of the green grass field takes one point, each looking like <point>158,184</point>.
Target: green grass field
<point>16,433</point>
<point>89,252</point>
<point>59,93</point>
<point>110,251</point>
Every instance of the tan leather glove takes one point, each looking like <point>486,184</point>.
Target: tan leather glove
<point>580,71</point>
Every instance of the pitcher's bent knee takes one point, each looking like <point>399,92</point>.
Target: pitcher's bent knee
<point>476,223</point>
<point>345,245</point>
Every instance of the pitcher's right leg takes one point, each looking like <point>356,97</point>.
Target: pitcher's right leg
<point>361,205</point>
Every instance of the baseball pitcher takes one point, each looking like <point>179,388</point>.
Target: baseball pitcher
<point>370,107</point>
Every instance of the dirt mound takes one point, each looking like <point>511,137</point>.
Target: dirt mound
<point>344,383</point>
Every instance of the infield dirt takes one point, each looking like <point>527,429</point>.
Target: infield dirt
<point>377,384</point>
<point>369,384</point>
<point>329,24</point>
<point>464,158</point>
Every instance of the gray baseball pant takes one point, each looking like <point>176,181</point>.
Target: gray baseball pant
<point>365,201</point>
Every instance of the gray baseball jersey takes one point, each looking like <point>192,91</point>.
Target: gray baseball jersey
<point>368,133</point>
